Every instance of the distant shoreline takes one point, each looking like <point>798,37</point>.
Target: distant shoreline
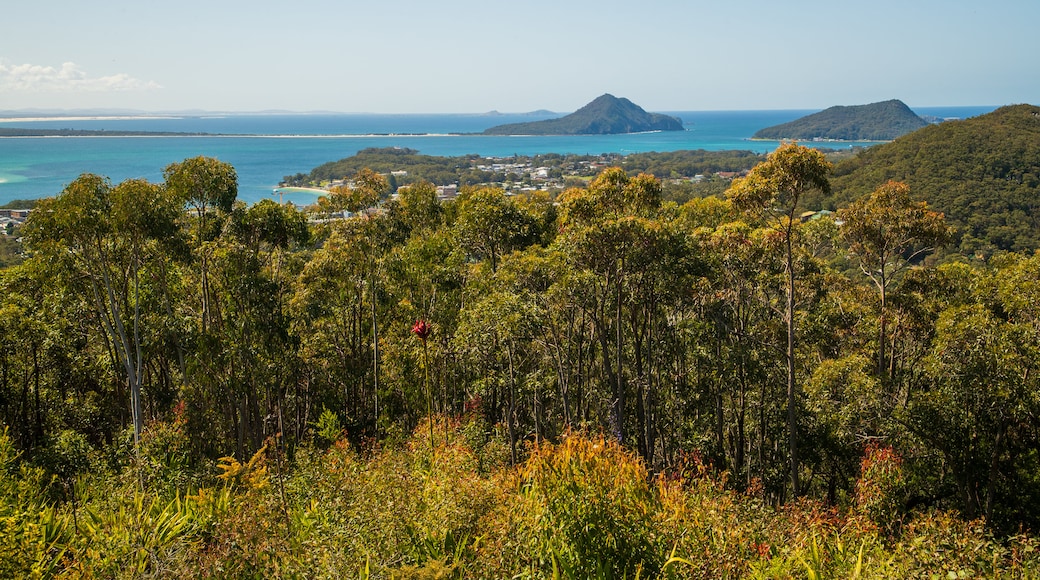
<point>87,118</point>
<point>817,140</point>
<point>19,133</point>
<point>23,132</point>
<point>297,189</point>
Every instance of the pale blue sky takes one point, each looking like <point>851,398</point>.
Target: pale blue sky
<point>459,56</point>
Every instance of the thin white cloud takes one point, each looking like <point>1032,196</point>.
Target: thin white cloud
<point>64,79</point>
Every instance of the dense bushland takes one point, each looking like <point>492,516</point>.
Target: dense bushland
<point>602,384</point>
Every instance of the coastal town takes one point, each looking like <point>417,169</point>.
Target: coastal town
<point>522,175</point>
<point>11,219</point>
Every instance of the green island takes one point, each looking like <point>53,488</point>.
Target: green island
<point>882,121</point>
<point>605,115</point>
<point>802,365</point>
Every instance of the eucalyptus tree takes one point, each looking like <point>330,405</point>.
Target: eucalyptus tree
<point>365,191</point>
<point>205,184</point>
<point>424,279</point>
<point>495,331</point>
<point>108,235</point>
<point>363,194</point>
<point>887,232</point>
<point>333,314</point>
<point>488,224</point>
<point>735,299</point>
<point>248,363</point>
<point>417,207</point>
<point>772,190</point>
<point>978,411</point>
<point>602,229</point>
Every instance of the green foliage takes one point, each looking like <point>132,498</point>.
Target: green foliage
<point>20,204</point>
<point>489,225</point>
<point>280,392</point>
<point>592,509</point>
<point>437,170</point>
<point>982,173</point>
<point>328,429</point>
<point>778,184</point>
<point>367,188</point>
<point>203,183</point>
<point>671,164</point>
<point>10,250</point>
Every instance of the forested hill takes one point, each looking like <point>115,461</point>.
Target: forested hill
<point>606,115</point>
<point>874,122</point>
<point>983,172</point>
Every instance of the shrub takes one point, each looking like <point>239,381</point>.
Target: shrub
<point>880,488</point>
<point>593,510</point>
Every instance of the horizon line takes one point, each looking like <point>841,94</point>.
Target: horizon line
<point>27,114</point>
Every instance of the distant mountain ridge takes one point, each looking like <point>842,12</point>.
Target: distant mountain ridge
<point>606,115</point>
<point>882,121</point>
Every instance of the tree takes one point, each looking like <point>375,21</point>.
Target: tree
<point>604,228</point>
<point>981,393</point>
<point>367,189</point>
<point>418,207</point>
<point>489,225</point>
<point>886,232</point>
<point>267,224</point>
<point>110,234</point>
<point>203,183</point>
<point>773,189</point>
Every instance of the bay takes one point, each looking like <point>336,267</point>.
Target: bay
<point>264,148</point>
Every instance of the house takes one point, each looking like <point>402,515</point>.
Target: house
<point>446,192</point>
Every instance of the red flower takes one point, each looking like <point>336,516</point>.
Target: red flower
<point>422,329</point>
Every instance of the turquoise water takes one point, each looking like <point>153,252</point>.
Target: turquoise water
<point>266,148</point>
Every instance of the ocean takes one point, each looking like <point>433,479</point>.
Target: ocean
<point>264,148</point>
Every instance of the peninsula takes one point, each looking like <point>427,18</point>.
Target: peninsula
<point>606,115</point>
<point>882,121</point>
<point>20,132</point>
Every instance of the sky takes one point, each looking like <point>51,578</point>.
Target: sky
<point>474,56</point>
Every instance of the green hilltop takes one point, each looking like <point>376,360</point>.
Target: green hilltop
<point>983,172</point>
<point>606,115</point>
<point>874,122</point>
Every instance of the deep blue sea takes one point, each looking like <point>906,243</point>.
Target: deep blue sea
<point>264,148</point>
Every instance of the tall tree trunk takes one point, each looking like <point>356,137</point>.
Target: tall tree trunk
<point>792,393</point>
<point>991,483</point>
<point>375,351</point>
<point>881,327</point>
<point>512,405</point>
<point>38,430</point>
<point>618,410</point>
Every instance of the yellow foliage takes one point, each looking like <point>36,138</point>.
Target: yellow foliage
<point>252,474</point>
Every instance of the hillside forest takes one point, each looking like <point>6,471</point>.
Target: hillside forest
<point>594,384</point>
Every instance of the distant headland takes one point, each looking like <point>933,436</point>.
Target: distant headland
<point>606,115</point>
